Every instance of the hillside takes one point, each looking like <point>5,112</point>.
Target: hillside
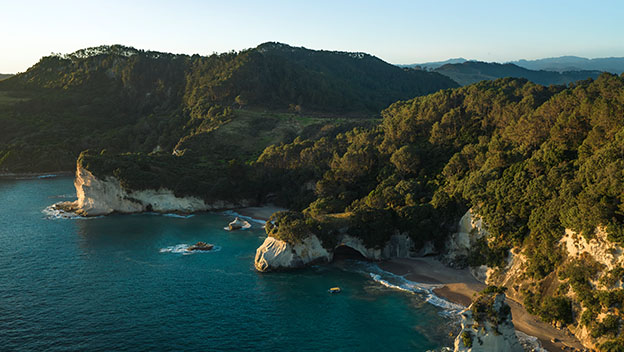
<point>542,166</point>
<point>574,63</point>
<point>4,76</point>
<point>536,163</point>
<point>435,64</point>
<point>475,71</point>
<point>127,100</point>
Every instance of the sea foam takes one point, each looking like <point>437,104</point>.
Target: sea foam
<point>54,212</point>
<point>178,216</point>
<point>403,284</point>
<point>182,249</point>
<point>244,217</point>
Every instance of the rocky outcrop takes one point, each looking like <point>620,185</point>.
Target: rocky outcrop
<point>487,326</point>
<point>470,230</point>
<point>275,254</point>
<point>599,247</point>
<point>513,275</point>
<point>200,246</point>
<point>238,224</point>
<point>104,196</point>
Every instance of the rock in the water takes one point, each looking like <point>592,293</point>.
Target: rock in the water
<point>238,224</point>
<point>200,246</point>
<point>277,254</point>
<point>487,326</point>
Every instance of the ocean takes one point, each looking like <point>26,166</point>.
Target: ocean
<point>125,283</point>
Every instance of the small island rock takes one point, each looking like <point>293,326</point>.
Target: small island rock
<point>200,246</point>
<point>238,224</point>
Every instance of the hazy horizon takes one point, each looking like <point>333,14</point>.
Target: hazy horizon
<point>403,32</point>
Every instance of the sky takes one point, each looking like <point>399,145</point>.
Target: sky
<point>400,32</point>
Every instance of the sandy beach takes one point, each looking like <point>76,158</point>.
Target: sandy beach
<point>261,213</point>
<point>459,286</point>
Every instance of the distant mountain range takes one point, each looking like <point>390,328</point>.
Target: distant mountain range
<point>574,63</point>
<point>475,71</point>
<point>558,64</point>
<point>435,64</point>
<point>4,76</point>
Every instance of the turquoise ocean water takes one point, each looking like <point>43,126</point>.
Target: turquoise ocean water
<point>122,283</point>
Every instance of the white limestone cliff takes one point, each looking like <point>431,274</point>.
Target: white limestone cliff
<point>104,196</point>
<point>275,254</point>
<point>471,229</point>
<point>599,247</point>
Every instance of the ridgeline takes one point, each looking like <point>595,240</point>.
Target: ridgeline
<point>128,100</point>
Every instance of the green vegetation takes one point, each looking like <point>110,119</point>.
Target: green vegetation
<point>128,100</point>
<point>483,309</point>
<point>531,160</point>
<point>262,124</point>
<point>466,339</point>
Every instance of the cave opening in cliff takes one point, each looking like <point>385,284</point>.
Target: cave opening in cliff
<point>343,252</point>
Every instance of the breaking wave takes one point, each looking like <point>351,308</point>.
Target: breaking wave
<point>397,282</point>
<point>243,217</point>
<point>182,249</point>
<point>54,212</point>
<point>179,216</point>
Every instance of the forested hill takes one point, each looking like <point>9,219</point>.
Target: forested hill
<point>128,100</point>
<point>531,160</point>
<point>470,72</point>
<point>279,76</point>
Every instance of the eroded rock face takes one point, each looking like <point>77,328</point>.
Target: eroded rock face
<point>275,254</point>
<point>104,196</point>
<point>512,274</point>
<point>471,229</point>
<point>600,248</point>
<point>490,329</point>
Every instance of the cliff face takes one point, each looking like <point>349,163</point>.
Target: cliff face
<point>487,326</point>
<point>606,256</point>
<point>104,196</point>
<point>276,254</point>
<point>600,248</point>
<point>470,230</point>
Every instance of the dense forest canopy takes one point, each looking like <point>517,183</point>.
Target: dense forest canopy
<point>129,100</point>
<point>512,150</point>
<point>531,160</point>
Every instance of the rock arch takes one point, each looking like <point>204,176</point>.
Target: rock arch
<point>344,251</point>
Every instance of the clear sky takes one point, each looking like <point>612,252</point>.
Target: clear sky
<point>396,31</point>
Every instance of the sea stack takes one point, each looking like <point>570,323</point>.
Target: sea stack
<point>487,326</point>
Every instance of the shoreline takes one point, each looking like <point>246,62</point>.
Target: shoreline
<point>261,213</point>
<point>459,286</point>
<point>34,175</point>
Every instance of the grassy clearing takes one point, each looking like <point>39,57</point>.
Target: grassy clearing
<point>6,99</point>
<point>249,132</point>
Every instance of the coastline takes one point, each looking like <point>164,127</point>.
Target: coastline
<point>259,213</point>
<point>459,286</point>
<point>29,175</point>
